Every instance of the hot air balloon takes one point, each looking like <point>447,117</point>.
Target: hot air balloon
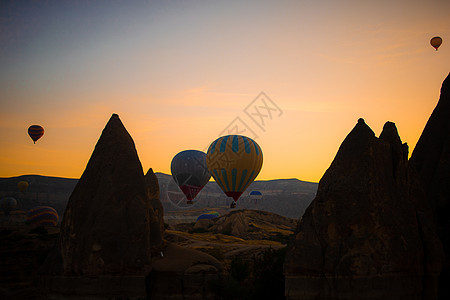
<point>208,215</point>
<point>190,173</point>
<point>436,42</point>
<point>22,185</point>
<point>35,132</point>
<point>234,161</point>
<point>7,204</point>
<point>255,196</point>
<point>42,216</point>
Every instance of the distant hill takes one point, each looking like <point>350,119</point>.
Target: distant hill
<point>286,197</point>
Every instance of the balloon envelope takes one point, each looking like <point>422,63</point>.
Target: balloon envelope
<point>208,215</point>
<point>256,195</point>
<point>42,216</point>
<point>35,132</point>
<point>436,42</point>
<point>234,161</point>
<point>190,173</point>
<point>22,185</point>
<point>7,204</point>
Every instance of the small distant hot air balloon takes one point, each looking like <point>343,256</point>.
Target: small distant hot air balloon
<point>42,216</point>
<point>208,215</point>
<point>234,161</point>
<point>22,185</point>
<point>7,204</point>
<point>35,132</point>
<point>436,42</point>
<point>190,172</point>
<point>256,196</point>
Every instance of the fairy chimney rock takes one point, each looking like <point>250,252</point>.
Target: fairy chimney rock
<point>106,226</point>
<point>431,159</point>
<point>360,238</point>
<point>156,212</point>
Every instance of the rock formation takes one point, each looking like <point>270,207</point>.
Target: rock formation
<point>431,158</point>
<point>112,235</point>
<point>367,234</point>
<point>156,212</point>
<point>106,226</point>
<point>249,224</point>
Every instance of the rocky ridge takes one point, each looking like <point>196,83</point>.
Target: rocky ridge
<point>368,233</point>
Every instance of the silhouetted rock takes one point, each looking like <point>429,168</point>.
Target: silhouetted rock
<point>181,273</point>
<point>112,234</point>
<point>106,229</point>
<point>431,158</point>
<point>156,212</point>
<point>367,234</point>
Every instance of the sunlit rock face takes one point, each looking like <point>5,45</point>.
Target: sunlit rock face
<point>431,158</point>
<point>367,234</point>
<point>106,226</point>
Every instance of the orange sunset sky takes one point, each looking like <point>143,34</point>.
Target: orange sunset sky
<point>181,73</point>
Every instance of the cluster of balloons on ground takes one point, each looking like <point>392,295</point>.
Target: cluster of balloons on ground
<point>37,216</point>
<point>234,161</point>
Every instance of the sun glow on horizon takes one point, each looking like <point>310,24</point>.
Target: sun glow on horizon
<point>180,74</point>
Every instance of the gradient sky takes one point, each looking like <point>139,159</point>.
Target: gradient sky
<point>181,73</point>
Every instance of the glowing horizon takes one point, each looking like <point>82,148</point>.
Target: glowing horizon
<point>179,73</point>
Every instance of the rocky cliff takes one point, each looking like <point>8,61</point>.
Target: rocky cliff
<point>367,234</point>
<point>431,158</point>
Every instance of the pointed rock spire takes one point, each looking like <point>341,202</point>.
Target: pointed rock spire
<point>360,238</point>
<point>431,159</point>
<point>156,212</point>
<point>105,229</point>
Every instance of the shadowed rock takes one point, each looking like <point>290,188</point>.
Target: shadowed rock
<point>156,212</point>
<point>367,234</point>
<point>106,226</point>
<point>248,224</point>
<point>431,158</point>
<point>112,236</point>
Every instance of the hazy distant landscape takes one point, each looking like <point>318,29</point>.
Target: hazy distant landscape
<point>286,197</point>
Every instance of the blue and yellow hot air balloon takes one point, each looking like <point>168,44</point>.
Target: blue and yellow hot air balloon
<point>234,161</point>
<point>190,172</point>
<point>35,132</point>
<point>42,216</point>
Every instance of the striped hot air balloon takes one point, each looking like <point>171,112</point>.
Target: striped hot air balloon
<point>35,132</point>
<point>436,42</point>
<point>42,216</point>
<point>234,161</point>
